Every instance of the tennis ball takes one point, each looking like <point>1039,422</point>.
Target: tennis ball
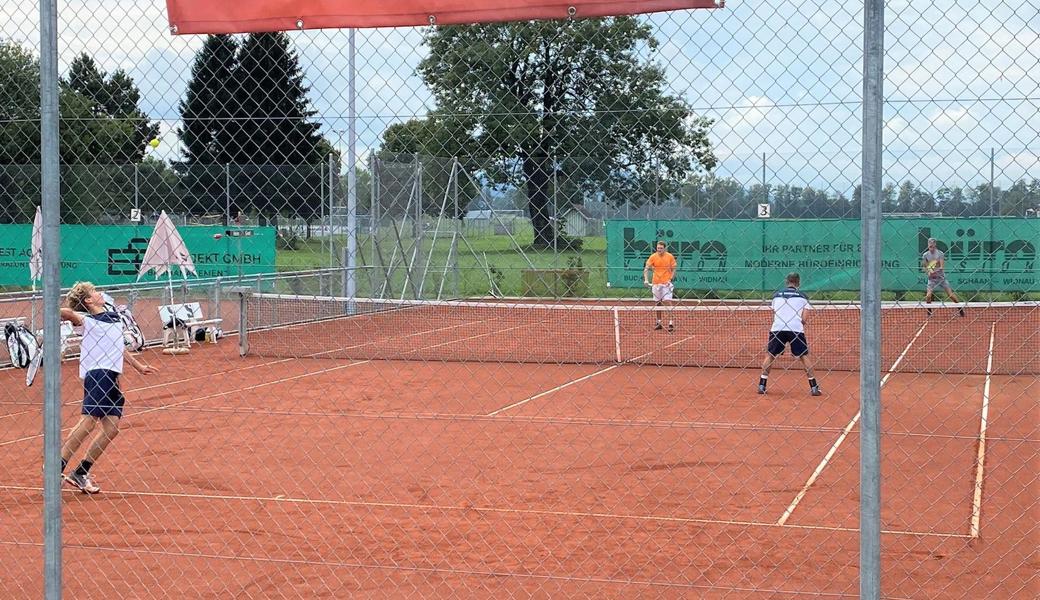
<point>154,143</point>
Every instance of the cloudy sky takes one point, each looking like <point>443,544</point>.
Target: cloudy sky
<point>782,79</point>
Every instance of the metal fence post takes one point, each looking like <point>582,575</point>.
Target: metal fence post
<point>870,290</point>
<point>50,182</point>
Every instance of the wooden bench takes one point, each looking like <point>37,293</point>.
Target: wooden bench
<point>189,318</point>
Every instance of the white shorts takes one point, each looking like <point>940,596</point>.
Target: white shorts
<point>662,291</point>
<point>937,282</point>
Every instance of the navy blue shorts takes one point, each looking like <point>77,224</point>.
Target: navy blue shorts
<point>101,394</point>
<point>778,340</point>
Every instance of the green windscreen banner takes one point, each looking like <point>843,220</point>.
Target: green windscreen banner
<point>112,254</point>
<point>982,254</point>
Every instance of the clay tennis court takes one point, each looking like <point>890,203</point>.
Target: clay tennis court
<point>548,466</point>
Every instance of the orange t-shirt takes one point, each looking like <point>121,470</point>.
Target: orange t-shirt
<point>663,266</point>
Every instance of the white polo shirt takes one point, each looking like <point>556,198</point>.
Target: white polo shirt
<point>102,346</point>
<point>788,305</point>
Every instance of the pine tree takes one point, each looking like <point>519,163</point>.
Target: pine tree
<point>208,106</point>
<point>206,127</point>
<point>272,111</point>
<point>275,144</point>
<point>246,109</point>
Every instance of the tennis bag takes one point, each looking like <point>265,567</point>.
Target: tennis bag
<point>21,344</point>
<point>133,337</point>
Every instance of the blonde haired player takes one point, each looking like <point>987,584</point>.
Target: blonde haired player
<point>662,264</point>
<point>933,261</point>
<point>102,353</point>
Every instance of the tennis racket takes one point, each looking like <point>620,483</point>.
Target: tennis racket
<point>37,360</point>
<point>34,367</point>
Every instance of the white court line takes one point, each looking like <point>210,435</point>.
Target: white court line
<point>32,437</point>
<point>553,390</point>
<point>216,395</point>
<point>583,378</point>
<point>164,384</point>
<point>465,339</point>
<point>426,508</point>
<point>980,461</point>
<point>253,387</point>
<point>391,337</point>
<point>844,433</point>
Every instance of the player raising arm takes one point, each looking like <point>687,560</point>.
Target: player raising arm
<point>102,353</point>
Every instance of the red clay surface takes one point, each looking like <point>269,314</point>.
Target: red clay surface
<point>267,477</point>
<point>733,337</point>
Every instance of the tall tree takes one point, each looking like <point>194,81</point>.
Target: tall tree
<point>208,106</point>
<point>87,138</point>
<point>114,96</point>
<point>272,114</point>
<point>274,142</point>
<point>207,112</point>
<point>577,99</point>
<point>1016,200</point>
<point>246,108</point>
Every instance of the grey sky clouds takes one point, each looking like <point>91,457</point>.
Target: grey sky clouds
<point>781,78</point>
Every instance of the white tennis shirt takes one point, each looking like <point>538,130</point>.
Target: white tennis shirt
<point>788,305</point>
<point>102,345</point>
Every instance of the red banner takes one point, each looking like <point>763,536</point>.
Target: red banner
<point>247,16</point>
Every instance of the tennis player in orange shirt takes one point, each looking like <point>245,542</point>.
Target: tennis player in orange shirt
<point>662,264</point>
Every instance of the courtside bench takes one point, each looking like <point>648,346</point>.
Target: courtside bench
<point>189,318</point>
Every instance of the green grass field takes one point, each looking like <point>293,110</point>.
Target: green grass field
<point>496,257</point>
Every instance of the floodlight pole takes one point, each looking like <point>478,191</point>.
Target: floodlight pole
<point>350,251</point>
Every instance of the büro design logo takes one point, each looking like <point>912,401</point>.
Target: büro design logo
<point>703,255</point>
<point>969,248</point>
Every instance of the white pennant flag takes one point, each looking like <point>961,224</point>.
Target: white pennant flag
<point>166,248</point>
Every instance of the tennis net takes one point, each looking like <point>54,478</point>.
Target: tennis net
<point>716,335</point>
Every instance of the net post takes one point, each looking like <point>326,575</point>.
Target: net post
<point>617,334</point>
<point>870,291</point>
<point>243,294</point>
<point>216,299</point>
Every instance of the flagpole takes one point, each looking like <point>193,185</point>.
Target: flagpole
<point>176,349</point>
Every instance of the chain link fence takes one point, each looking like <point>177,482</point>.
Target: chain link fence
<point>419,355</point>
